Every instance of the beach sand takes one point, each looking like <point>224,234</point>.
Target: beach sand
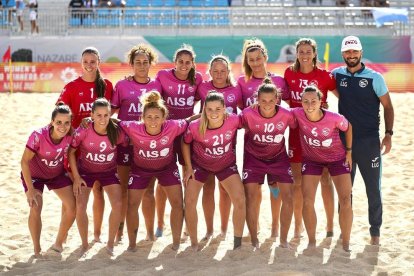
<point>22,113</point>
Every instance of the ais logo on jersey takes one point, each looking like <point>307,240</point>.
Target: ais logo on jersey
<point>135,108</point>
<point>179,101</point>
<point>153,153</point>
<point>217,151</point>
<point>100,157</point>
<point>85,107</point>
<point>268,138</point>
<point>317,143</point>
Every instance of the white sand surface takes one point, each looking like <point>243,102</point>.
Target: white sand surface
<point>21,113</point>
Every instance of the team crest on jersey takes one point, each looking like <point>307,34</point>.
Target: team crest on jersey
<point>131,92</point>
<point>280,125</point>
<point>191,89</point>
<point>228,134</point>
<point>91,144</point>
<point>48,153</point>
<point>231,98</point>
<point>164,140</point>
<point>80,93</point>
<point>170,87</point>
<point>344,82</point>
<point>314,83</point>
<point>325,131</point>
<point>363,83</point>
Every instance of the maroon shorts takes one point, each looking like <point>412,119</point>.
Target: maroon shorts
<point>315,168</point>
<point>202,174</point>
<point>140,178</point>
<point>58,182</point>
<point>124,155</point>
<point>277,169</point>
<point>295,149</point>
<point>177,150</point>
<point>104,178</point>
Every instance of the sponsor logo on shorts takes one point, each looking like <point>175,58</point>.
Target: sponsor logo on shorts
<point>363,83</point>
<point>375,162</point>
<point>176,173</point>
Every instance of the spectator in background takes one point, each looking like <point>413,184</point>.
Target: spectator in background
<point>76,7</point>
<point>19,12</point>
<point>33,4</point>
<point>381,3</point>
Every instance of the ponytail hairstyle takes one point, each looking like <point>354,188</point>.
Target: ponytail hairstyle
<point>100,84</point>
<point>187,49</point>
<point>112,129</point>
<point>305,41</point>
<point>226,61</point>
<point>212,96</point>
<point>251,45</point>
<point>268,86</point>
<point>142,49</point>
<point>61,108</point>
<point>312,89</point>
<point>153,99</point>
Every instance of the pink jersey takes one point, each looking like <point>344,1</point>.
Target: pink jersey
<point>297,81</point>
<point>320,140</point>
<point>179,95</point>
<point>48,160</point>
<point>153,152</point>
<point>126,98</point>
<point>232,95</point>
<point>79,96</point>
<point>264,137</point>
<point>250,87</point>
<point>215,150</point>
<point>96,152</point>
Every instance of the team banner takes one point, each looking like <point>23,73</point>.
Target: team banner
<point>281,49</point>
<point>52,77</point>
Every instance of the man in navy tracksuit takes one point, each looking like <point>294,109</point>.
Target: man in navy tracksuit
<point>360,91</point>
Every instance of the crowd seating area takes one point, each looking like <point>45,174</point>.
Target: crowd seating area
<point>275,16</point>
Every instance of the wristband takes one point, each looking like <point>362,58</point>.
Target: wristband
<point>348,149</point>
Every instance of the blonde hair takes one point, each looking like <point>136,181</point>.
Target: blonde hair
<point>142,49</point>
<point>226,60</point>
<point>251,45</point>
<point>212,96</point>
<point>153,99</point>
<point>187,49</point>
<point>305,41</point>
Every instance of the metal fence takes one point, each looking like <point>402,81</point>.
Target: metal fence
<point>205,21</point>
